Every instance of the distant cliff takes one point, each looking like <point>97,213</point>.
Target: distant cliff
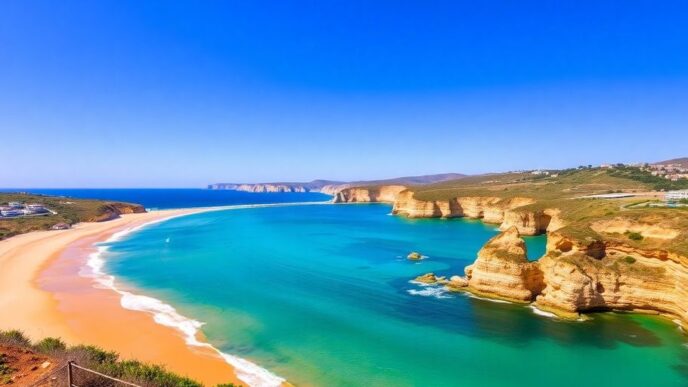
<point>331,187</point>
<point>313,186</point>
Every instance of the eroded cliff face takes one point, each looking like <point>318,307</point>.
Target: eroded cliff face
<point>577,276</point>
<point>384,193</point>
<point>333,189</point>
<point>502,269</point>
<point>509,212</point>
<point>271,188</point>
<point>587,276</point>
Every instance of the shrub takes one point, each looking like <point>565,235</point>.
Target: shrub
<point>14,337</point>
<point>142,373</point>
<point>5,370</point>
<point>628,259</point>
<point>50,345</point>
<point>89,354</point>
<point>635,236</point>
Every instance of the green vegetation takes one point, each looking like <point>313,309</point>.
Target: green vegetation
<point>97,359</point>
<point>635,236</point>
<point>683,201</point>
<point>657,183</point>
<point>14,337</point>
<point>50,345</point>
<point>5,370</point>
<point>68,210</point>
<point>628,259</point>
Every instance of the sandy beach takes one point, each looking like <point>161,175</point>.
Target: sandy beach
<point>42,293</point>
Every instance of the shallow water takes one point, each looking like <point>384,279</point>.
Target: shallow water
<point>320,295</point>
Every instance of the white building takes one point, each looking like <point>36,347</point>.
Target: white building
<point>676,195</point>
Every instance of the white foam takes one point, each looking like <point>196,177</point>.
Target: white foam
<point>424,284</point>
<point>679,325</point>
<point>430,291</point>
<point>164,314</point>
<point>541,312</point>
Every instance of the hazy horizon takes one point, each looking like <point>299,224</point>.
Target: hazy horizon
<point>160,94</point>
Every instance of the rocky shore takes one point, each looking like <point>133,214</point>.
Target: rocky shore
<point>577,274</point>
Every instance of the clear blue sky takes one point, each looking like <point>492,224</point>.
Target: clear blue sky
<point>181,94</point>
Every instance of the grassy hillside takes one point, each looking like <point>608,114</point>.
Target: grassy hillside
<point>68,210</point>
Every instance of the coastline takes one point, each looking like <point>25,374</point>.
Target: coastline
<point>45,288</point>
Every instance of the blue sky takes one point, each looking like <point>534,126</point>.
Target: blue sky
<point>181,94</point>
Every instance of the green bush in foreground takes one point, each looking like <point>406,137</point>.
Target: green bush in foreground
<point>14,337</point>
<point>50,345</point>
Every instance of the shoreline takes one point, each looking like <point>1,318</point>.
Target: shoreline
<point>45,288</point>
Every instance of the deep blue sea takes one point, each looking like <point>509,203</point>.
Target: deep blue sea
<point>176,197</point>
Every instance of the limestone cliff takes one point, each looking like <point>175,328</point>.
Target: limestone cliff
<point>577,276</point>
<point>383,193</point>
<point>502,269</point>
<point>507,212</point>
<point>333,189</point>
<point>585,276</point>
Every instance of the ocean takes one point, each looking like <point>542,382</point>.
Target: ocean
<point>322,295</point>
<point>166,198</point>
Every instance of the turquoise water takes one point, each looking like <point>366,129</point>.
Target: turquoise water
<point>320,295</point>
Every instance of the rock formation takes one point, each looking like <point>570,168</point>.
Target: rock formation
<point>507,212</point>
<point>502,269</point>
<point>383,193</point>
<point>111,211</point>
<point>577,276</point>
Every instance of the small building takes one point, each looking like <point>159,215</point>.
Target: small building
<point>539,172</point>
<point>674,196</point>
<point>11,213</point>
<point>15,205</point>
<point>60,226</point>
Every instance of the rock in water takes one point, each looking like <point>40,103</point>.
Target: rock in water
<point>415,256</point>
<point>428,278</point>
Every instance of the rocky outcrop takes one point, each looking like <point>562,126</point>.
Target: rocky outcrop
<point>583,276</point>
<point>579,275</point>
<point>507,212</point>
<point>111,211</point>
<point>311,186</point>
<point>332,189</point>
<point>502,269</point>
<point>532,222</point>
<point>620,225</point>
<point>383,193</point>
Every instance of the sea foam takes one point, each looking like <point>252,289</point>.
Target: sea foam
<point>430,291</point>
<point>166,315</point>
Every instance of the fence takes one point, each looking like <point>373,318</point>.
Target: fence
<point>74,375</point>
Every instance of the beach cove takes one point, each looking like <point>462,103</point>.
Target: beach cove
<point>322,295</point>
<point>34,262</point>
<point>314,294</point>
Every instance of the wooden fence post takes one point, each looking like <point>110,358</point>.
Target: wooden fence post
<point>69,374</point>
